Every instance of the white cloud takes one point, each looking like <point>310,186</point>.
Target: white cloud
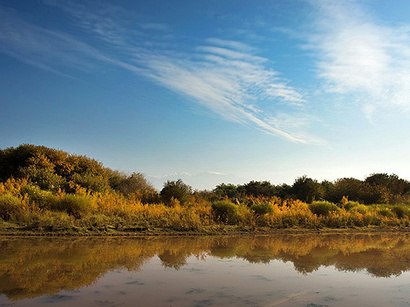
<point>230,82</point>
<point>230,54</point>
<point>216,173</point>
<point>357,55</point>
<point>229,44</point>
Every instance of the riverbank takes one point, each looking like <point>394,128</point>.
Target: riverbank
<point>221,230</point>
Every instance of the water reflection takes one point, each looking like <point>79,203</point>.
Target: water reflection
<point>31,267</point>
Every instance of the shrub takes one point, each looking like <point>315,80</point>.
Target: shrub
<point>323,207</point>
<point>230,213</point>
<point>94,183</point>
<point>262,208</point>
<point>42,199</point>
<point>384,211</point>
<point>10,207</point>
<point>224,210</point>
<point>401,211</point>
<point>348,205</point>
<point>360,208</point>
<point>45,178</point>
<point>75,205</point>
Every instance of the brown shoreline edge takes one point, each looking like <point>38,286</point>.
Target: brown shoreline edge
<point>225,232</point>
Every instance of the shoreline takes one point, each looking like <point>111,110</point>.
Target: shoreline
<point>225,232</point>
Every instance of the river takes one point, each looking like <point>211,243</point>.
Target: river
<point>276,270</point>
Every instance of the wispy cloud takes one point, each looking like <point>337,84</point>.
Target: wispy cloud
<point>229,81</point>
<point>357,55</point>
<point>229,44</point>
<point>224,76</point>
<point>297,124</point>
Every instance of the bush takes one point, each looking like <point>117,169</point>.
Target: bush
<point>384,211</point>
<point>401,211</point>
<point>75,205</point>
<point>262,208</point>
<point>350,205</point>
<point>323,207</point>
<point>42,199</point>
<point>45,178</point>
<point>91,182</point>
<point>10,207</point>
<point>362,209</point>
<point>230,213</point>
<point>224,210</point>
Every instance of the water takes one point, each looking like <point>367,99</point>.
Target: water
<point>278,270</point>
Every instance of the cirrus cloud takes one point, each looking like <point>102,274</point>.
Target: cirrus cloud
<point>357,55</point>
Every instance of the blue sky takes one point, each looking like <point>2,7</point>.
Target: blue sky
<point>211,91</point>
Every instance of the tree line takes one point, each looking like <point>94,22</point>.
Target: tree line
<point>55,170</point>
<point>379,188</point>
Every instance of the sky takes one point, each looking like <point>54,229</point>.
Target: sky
<point>211,91</point>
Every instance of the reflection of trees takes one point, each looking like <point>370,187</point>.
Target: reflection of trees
<point>171,260</point>
<point>31,267</point>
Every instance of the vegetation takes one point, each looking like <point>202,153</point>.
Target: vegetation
<point>43,189</point>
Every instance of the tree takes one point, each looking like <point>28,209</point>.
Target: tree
<point>328,187</point>
<point>352,188</point>
<point>393,183</point>
<point>259,188</point>
<point>226,190</point>
<point>177,190</point>
<point>136,182</point>
<point>284,190</point>
<point>382,179</point>
<point>307,190</point>
<point>40,171</point>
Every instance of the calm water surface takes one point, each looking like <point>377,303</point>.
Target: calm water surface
<point>279,270</point>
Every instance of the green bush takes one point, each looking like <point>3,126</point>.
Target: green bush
<point>224,210</point>
<point>10,207</point>
<point>75,205</point>
<point>91,182</point>
<point>384,211</point>
<point>350,205</point>
<point>42,199</point>
<point>262,208</point>
<point>230,213</point>
<point>401,211</point>
<point>45,178</point>
<point>323,207</point>
<point>360,208</point>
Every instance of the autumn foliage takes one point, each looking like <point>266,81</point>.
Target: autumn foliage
<point>43,189</point>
